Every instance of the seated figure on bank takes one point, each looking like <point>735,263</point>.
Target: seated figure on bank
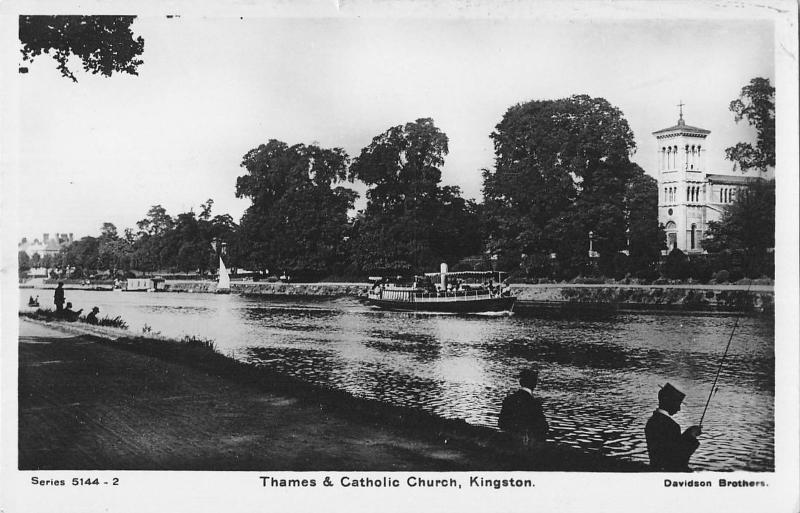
<point>92,317</point>
<point>69,314</point>
<point>522,414</point>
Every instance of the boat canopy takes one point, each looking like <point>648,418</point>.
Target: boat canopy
<point>467,273</point>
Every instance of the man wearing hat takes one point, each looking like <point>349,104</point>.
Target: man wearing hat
<point>92,317</point>
<point>522,413</point>
<point>670,450</point>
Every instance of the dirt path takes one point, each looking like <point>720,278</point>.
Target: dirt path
<point>90,405</point>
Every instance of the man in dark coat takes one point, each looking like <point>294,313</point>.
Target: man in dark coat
<point>58,297</point>
<point>92,317</point>
<point>670,450</point>
<point>69,314</point>
<point>522,413</point>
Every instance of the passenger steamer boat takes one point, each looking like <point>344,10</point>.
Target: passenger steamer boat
<point>454,292</point>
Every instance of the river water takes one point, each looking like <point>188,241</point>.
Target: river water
<point>599,376</point>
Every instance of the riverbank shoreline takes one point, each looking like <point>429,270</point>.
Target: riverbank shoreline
<point>534,298</point>
<point>92,398</point>
<point>564,298</point>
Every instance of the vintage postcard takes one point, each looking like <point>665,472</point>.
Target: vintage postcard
<point>375,256</point>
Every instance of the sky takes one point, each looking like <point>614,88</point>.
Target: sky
<point>211,88</point>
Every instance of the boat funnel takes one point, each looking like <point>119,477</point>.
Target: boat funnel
<point>443,275</point>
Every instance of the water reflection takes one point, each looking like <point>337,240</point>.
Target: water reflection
<point>599,375</point>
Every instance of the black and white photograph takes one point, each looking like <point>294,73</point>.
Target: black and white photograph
<point>375,256</point>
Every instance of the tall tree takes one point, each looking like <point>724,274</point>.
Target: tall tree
<point>646,236</point>
<point>561,171</point>
<point>756,104</point>
<point>298,217</point>
<point>188,244</point>
<point>105,44</point>
<point>157,221</point>
<point>747,226</point>
<point>23,261</point>
<point>109,231</point>
<point>410,222</point>
<point>113,252</point>
<point>149,249</point>
<point>83,255</point>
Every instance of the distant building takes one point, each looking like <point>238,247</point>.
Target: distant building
<point>689,195</point>
<point>47,246</point>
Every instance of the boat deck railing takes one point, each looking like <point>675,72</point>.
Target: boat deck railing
<point>434,297</point>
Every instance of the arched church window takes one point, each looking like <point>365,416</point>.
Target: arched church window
<point>672,235</point>
<point>692,236</point>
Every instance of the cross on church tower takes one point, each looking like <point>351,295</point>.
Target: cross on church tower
<point>680,105</point>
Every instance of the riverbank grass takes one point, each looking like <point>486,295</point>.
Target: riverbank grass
<point>46,314</point>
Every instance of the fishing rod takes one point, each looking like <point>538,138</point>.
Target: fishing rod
<point>722,360</point>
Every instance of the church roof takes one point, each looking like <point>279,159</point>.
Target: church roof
<point>732,179</point>
<point>683,127</point>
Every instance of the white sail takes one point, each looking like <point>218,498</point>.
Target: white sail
<point>224,282</point>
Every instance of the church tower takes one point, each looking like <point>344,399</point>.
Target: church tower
<point>681,164</point>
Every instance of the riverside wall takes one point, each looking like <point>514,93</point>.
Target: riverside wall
<point>711,298</point>
<point>263,288</point>
<point>694,297</point>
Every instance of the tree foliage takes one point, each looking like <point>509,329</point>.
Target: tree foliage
<point>105,44</point>
<point>83,256</point>
<point>162,244</point>
<point>410,221</point>
<point>756,104</point>
<point>298,218</point>
<point>562,170</point>
<point>23,261</point>
<point>187,243</point>
<point>646,235</point>
<point>747,227</point>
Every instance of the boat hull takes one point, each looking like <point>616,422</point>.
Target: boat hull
<point>494,304</point>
